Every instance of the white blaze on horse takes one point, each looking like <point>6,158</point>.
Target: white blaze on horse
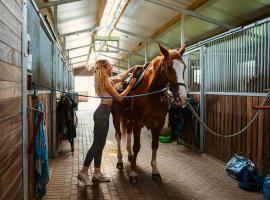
<point>150,111</point>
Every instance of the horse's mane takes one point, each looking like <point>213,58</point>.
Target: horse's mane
<point>157,61</point>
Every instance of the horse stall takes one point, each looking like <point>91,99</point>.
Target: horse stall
<point>229,74</point>
<point>47,73</point>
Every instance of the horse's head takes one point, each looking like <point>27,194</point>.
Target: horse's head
<point>174,68</point>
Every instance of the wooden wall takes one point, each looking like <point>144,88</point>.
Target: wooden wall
<point>230,114</point>
<point>46,101</point>
<point>11,185</point>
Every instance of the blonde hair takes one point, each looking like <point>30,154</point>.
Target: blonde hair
<point>100,76</point>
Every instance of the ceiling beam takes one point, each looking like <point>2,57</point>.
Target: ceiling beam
<point>78,56</point>
<point>95,28</point>
<point>113,58</point>
<point>78,62</point>
<point>101,7</point>
<point>125,50</point>
<point>121,14</point>
<point>142,37</point>
<point>119,67</point>
<point>100,11</point>
<point>55,3</point>
<point>88,45</point>
<point>191,13</point>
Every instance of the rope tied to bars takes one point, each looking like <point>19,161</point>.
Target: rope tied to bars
<point>228,135</point>
<point>100,97</point>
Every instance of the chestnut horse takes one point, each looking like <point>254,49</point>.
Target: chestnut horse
<point>150,111</point>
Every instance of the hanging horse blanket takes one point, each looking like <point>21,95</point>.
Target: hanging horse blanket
<point>41,153</point>
<point>66,119</point>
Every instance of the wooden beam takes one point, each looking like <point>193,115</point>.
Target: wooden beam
<point>122,12</point>
<point>56,3</point>
<point>101,8</point>
<point>100,11</point>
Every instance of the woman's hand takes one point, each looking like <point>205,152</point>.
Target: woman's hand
<point>132,82</point>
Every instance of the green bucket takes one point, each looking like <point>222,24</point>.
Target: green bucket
<point>165,138</point>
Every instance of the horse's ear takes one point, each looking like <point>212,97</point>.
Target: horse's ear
<point>163,51</point>
<point>182,49</point>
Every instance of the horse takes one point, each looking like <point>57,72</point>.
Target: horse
<point>149,111</point>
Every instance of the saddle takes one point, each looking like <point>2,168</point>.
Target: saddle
<point>137,73</point>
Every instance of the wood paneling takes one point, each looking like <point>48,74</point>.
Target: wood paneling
<point>9,55</point>
<point>10,72</point>
<point>11,185</point>
<point>10,107</point>
<point>10,20</point>
<point>9,89</point>
<point>14,8</point>
<point>231,115</point>
<point>9,38</point>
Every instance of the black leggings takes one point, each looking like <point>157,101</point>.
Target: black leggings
<point>101,127</point>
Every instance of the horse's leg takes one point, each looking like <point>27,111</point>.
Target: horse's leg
<point>155,142</point>
<point>128,147</point>
<point>116,123</point>
<point>136,148</point>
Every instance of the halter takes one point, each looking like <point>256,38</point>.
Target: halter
<point>183,84</point>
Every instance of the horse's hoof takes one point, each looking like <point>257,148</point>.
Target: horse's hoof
<point>156,177</point>
<point>133,179</point>
<point>130,158</point>
<point>120,165</point>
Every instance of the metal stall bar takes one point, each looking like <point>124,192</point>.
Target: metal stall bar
<point>262,72</point>
<point>249,60</point>
<point>265,75</point>
<point>233,79</point>
<point>259,65</point>
<point>246,60</point>
<point>53,98</point>
<point>223,35</point>
<point>146,51</point>
<point>240,75</point>
<point>202,98</point>
<point>25,142</point>
<point>268,55</point>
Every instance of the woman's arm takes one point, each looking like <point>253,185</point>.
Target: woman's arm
<point>110,89</point>
<point>121,76</point>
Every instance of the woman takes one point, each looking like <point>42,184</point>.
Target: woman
<point>104,86</point>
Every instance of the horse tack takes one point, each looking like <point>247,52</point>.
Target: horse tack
<point>137,73</point>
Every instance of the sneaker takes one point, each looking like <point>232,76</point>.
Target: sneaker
<point>99,177</point>
<point>84,178</point>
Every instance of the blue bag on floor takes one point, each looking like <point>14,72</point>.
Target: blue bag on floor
<point>250,181</point>
<point>266,188</point>
<point>235,166</point>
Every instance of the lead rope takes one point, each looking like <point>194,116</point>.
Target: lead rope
<point>229,134</point>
